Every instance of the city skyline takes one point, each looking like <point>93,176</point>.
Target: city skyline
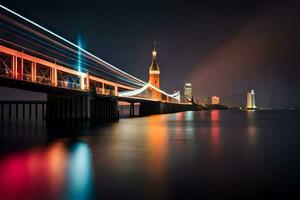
<point>207,73</point>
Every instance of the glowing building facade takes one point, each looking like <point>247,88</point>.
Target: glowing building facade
<point>188,91</point>
<point>154,75</point>
<point>215,100</point>
<point>251,100</point>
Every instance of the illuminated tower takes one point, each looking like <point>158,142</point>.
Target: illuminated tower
<point>154,69</point>
<point>188,91</point>
<point>251,100</point>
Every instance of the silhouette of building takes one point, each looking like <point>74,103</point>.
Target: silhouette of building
<point>188,91</point>
<point>251,100</point>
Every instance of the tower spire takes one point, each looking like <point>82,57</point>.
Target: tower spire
<point>154,53</point>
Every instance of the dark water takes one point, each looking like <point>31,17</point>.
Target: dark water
<point>207,155</point>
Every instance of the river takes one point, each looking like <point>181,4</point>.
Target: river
<point>204,154</point>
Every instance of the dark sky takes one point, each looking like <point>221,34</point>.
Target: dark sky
<point>223,48</point>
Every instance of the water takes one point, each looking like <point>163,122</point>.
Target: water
<point>205,154</point>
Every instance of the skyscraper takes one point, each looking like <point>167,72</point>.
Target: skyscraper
<point>251,100</point>
<point>188,91</point>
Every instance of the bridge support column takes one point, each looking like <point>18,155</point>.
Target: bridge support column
<point>149,108</point>
<point>81,107</point>
<point>14,67</point>
<point>53,76</point>
<point>33,72</point>
<point>116,90</point>
<point>67,107</point>
<point>131,110</point>
<point>20,65</point>
<point>104,109</point>
<point>82,84</point>
<point>87,82</point>
<point>103,88</point>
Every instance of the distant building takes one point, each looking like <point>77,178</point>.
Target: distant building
<point>215,100</point>
<point>188,91</point>
<point>212,100</point>
<point>251,100</point>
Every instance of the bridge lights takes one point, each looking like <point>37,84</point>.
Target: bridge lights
<point>79,54</point>
<point>82,85</point>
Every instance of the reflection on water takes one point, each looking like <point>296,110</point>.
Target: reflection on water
<point>207,154</point>
<point>215,132</point>
<point>157,137</point>
<point>251,128</point>
<point>80,178</point>
<point>44,173</point>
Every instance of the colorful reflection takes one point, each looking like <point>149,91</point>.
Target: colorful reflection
<point>42,173</point>
<point>189,116</point>
<point>157,134</point>
<point>179,116</point>
<point>215,132</point>
<point>80,172</point>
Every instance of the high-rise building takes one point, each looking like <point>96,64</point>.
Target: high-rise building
<point>215,100</point>
<point>154,72</point>
<point>251,100</point>
<point>188,91</point>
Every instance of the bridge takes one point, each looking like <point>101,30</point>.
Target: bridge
<point>78,84</point>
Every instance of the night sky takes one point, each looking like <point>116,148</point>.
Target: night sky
<point>223,48</point>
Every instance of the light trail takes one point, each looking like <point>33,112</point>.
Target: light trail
<point>66,47</point>
<point>102,62</point>
<point>73,58</point>
<point>69,42</point>
<point>138,91</point>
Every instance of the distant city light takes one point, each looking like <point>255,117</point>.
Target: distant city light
<point>215,100</point>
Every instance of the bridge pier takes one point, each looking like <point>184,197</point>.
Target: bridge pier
<point>81,107</point>
<point>150,108</point>
<point>22,110</point>
<point>131,110</point>
<point>104,109</point>
<point>67,107</point>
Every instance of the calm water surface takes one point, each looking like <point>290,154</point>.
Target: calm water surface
<point>205,154</point>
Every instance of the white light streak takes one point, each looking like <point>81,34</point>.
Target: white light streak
<point>122,94</point>
<point>70,43</point>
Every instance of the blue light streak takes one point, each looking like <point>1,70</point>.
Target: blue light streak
<point>79,54</point>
